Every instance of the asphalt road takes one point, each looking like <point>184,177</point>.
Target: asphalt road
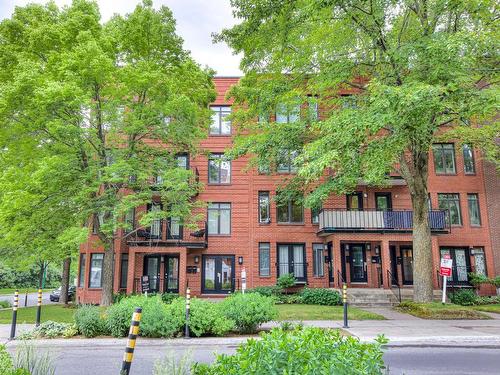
<point>32,298</point>
<point>82,359</point>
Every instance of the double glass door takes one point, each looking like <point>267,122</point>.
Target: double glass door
<point>407,265</point>
<point>218,274</point>
<point>292,259</point>
<point>152,268</point>
<point>461,264</point>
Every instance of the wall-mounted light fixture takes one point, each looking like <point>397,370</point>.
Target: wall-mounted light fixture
<point>365,195</point>
<point>368,247</point>
<point>346,250</point>
<point>196,259</point>
<point>377,249</point>
<point>240,260</point>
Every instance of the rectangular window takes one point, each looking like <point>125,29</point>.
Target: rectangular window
<point>348,102</point>
<point>81,274</point>
<point>219,218</point>
<point>174,230</point>
<point>285,163</point>
<point>264,207</point>
<point>221,125</point>
<point>290,212</point>
<point>451,202</point>
<point>461,264</point>
<point>182,161</point>
<point>383,201</point>
<point>318,260</point>
<point>264,259</point>
<point>315,214</point>
<point>219,169</point>
<point>479,261</point>
<point>97,223</point>
<point>130,220</point>
<point>355,201</point>
<point>469,165</point>
<point>123,271</point>
<point>96,270</point>
<point>444,158</point>
<point>287,114</point>
<point>474,213</point>
<point>292,259</point>
<point>156,224</point>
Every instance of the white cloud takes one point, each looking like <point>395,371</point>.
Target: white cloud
<point>196,20</point>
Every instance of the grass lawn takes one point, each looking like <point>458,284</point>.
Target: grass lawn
<point>57,313</point>
<point>316,312</point>
<point>4,291</point>
<point>494,308</point>
<point>436,310</point>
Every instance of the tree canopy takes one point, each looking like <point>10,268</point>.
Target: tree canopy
<point>391,77</point>
<point>106,107</point>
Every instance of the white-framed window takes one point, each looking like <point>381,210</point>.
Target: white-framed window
<point>81,274</point>
<point>451,202</point>
<point>264,207</point>
<point>286,113</point>
<point>291,211</point>
<point>444,158</point>
<point>474,213</point>
<point>469,165</point>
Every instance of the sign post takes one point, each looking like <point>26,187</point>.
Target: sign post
<point>445,271</point>
<point>243,280</point>
<point>145,284</point>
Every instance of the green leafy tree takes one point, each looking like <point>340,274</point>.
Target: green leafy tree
<point>112,104</point>
<point>392,77</point>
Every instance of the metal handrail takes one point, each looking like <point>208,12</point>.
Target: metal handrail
<point>340,279</point>
<point>391,279</point>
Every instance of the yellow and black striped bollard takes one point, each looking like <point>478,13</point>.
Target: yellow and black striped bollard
<point>39,307</point>
<point>14,315</point>
<point>344,301</point>
<point>188,300</point>
<point>132,337</point>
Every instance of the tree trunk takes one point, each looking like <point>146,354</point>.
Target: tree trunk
<point>107,274</point>
<point>65,280</point>
<point>40,277</point>
<point>416,175</point>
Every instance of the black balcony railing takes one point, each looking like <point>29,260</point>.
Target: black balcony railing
<point>333,220</point>
<point>194,238</point>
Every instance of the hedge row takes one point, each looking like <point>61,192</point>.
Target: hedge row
<point>239,312</point>
<point>307,296</point>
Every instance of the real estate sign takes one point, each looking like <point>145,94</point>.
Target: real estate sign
<point>445,267</point>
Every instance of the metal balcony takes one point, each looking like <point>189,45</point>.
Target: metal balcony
<point>370,220</point>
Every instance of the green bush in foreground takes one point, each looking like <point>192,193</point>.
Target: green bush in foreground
<point>286,281</point>
<point>249,310</point>
<point>207,318</point>
<point>5,304</point>
<point>89,322</point>
<point>320,296</point>
<point>268,291</point>
<point>463,297</point>
<point>50,330</point>
<point>302,351</point>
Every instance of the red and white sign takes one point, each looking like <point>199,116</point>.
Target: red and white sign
<point>445,267</point>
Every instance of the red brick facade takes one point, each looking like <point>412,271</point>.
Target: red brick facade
<point>246,232</point>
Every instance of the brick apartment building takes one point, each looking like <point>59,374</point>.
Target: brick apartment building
<point>363,238</point>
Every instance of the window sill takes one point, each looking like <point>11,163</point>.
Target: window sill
<point>476,226</point>
<point>265,223</point>
<point>95,288</point>
<point>294,224</point>
<point>219,235</point>
<point>265,277</point>
<point>446,174</point>
<point>219,184</point>
<point>220,135</point>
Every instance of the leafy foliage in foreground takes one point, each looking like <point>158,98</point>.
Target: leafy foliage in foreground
<point>320,296</point>
<point>301,351</point>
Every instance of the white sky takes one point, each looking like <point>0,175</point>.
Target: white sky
<point>196,20</point>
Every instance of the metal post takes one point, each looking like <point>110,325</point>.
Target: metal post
<point>132,336</point>
<point>443,301</point>
<point>26,298</point>
<point>344,300</point>
<point>39,307</point>
<point>14,315</point>
<point>188,298</point>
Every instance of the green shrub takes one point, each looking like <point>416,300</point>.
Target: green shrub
<point>5,304</point>
<point>289,298</point>
<point>207,318</point>
<point>30,362</point>
<point>286,281</point>
<point>267,291</point>
<point>117,297</point>
<point>477,279</point>
<point>464,297</point>
<point>6,365</point>
<point>161,320</point>
<point>50,330</point>
<point>249,310</point>
<point>302,351</point>
<point>489,300</point>
<point>89,321</point>
<point>320,296</point>
<point>169,297</point>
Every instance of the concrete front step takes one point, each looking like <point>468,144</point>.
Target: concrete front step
<point>371,297</point>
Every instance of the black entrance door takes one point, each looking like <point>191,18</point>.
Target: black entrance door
<point>152,269</point>
<point>358,263</point>
<point>394,265</point>
<point>407,265</point>
<point>171,274</point>
<point>330,262</point>
<point>218,274</point>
